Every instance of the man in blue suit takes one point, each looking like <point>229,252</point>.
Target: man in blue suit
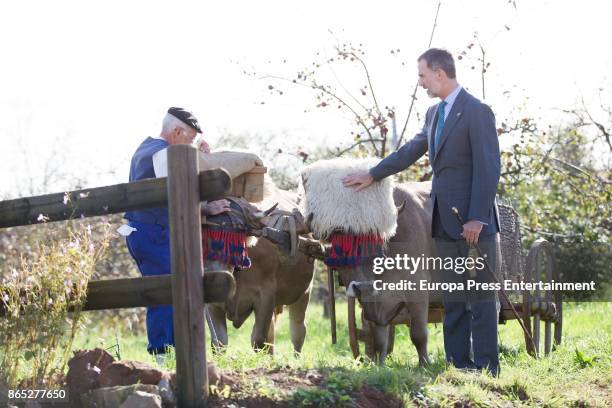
<point>149,241</point>
<point>460,135</point>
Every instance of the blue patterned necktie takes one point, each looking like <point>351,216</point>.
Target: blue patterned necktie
<point>440,124</point>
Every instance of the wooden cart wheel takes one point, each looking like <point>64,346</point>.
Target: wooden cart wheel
<point>538,307</point>
<point>352,327</point>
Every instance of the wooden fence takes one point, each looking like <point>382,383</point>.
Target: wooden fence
<point>187,288</point>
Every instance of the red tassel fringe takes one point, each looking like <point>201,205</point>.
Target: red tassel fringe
<point>353,250</point>
<point>228,247</point>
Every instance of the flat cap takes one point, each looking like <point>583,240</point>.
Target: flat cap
<point>186,117</point>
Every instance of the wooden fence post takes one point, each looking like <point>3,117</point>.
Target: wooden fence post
<point>187,272</point>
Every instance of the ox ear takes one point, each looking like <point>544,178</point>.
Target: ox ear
<point>309,221</point>
<point>401,207</point>
<point>300,222</point>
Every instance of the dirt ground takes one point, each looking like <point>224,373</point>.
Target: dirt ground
<point>273,388</point>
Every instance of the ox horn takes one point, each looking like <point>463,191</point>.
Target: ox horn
<point>401,207</point>
<point>269,210</point>
<point>263,214</point>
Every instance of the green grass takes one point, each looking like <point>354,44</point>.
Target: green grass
<point>578,373</point>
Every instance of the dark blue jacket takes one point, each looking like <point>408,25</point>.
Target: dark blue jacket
<point>142,168</point>
<point>466,163</point>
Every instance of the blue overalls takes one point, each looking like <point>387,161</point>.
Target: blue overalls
<point>149,245</point>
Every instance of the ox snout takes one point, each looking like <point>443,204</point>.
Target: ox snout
<point>361,290</point>
<point>239,317</point>
<point>376,309</point>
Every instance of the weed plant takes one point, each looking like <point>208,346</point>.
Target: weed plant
<point>41,297</point>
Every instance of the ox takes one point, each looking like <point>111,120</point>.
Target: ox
<point>273,280</point>
<point>331,208</point>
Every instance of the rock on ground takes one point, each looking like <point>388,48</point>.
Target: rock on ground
<point>85,368</point>
<point>113,397</point>
<point>142,399</point>
<point>129,372</point>
<point>166,392</point>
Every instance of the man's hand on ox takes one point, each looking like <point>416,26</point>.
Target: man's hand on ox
<point>471,231</point>
<point>215,207</point>
<point>358,181</point>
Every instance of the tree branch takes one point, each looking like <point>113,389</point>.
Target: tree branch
<point>365,68</point>
<point>357,144</point>
<point>379,121</point>
<point>482,71</point>
<point>359,120</point>
<point>601,127</point>
<point>344,88</point>
<point>582,171</point>
<point>550,234</point>
<point>416,86</point>
<point>337,48</point>
<point>322,88</point>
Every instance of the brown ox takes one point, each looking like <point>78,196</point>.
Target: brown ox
<point>329,204</point>
<point>381,308</point>
<point>272,281</point>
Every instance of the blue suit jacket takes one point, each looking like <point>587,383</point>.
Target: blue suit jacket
<point>466,163</point>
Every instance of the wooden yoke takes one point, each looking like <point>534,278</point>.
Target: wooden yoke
<point>187,273</point>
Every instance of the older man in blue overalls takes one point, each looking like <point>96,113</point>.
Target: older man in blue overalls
<point>149,241</point>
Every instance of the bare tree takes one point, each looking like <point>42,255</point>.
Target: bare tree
<point>373,119</point>
<point>602,125</point>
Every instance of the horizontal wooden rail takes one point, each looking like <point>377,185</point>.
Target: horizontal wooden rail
<point>148,291</point>
<point>136,195</point>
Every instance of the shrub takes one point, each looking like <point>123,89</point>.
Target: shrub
<point>42,297</point>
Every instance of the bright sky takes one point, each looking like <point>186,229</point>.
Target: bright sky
<point>87,81</point>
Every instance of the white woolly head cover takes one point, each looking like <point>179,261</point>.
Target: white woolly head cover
<point>369,211</point>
